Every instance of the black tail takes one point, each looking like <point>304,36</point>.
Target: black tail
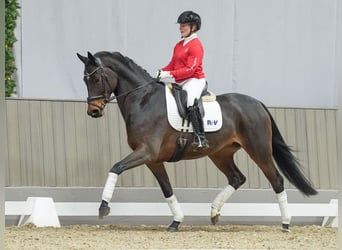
<point>287,162</point>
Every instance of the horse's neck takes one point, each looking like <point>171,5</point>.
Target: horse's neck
<point>140,95</point>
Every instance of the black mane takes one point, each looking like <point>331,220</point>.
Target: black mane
<point>125,65</point>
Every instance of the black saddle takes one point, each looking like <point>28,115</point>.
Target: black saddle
<point>181,97</point>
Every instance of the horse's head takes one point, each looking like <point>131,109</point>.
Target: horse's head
<point>101,82</point>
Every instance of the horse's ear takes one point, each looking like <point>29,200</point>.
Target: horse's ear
<point>82,58</point>
<point>91,58</point>
<point>94,60</point>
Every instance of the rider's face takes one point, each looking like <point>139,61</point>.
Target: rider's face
<point>185,29</point>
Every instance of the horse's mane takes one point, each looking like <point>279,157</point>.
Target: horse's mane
<point>125,61</point>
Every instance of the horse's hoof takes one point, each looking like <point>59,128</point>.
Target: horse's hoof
<point>215,219</point>
<point>285,228</point>
<point>104,209</point>
<point>173,227</point>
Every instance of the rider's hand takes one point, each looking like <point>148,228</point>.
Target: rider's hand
<point>165,76</point>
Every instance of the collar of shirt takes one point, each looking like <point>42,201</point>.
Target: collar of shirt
<point>189,38</point>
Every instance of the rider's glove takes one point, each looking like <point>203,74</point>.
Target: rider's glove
<point>165,76</point>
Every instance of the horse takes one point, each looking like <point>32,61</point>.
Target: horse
<point>246,124</point>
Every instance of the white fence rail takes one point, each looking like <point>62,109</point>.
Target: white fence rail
<point>32,210</point>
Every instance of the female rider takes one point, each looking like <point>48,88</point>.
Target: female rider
<point>185,69</point>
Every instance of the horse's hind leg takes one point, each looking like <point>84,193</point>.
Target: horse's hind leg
<point>277,182</point>
<point>261,152</point>
<point>225,162</point>
<point>159,172</point>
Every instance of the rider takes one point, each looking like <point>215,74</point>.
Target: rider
<point>185,68</point>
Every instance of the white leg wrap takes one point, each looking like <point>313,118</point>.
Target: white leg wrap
<point>220,199</point>
<point>109,187</point>
<point>285,214</point>
<point>175,208</point>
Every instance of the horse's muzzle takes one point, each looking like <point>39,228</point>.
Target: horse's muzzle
<point>95,108</point>
<point>95,113</point>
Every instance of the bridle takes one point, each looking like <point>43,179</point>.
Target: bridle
<point>104,80</point>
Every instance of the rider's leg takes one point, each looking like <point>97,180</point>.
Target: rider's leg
<point>199,142</point>
<point>194,87</point>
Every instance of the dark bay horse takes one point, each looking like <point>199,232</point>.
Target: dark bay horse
<point>246,122</point>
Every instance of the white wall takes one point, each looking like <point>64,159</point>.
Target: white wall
<point>338,82</point>
<point>281,52</point>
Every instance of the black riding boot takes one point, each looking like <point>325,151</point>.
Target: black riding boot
<point>199,142</point>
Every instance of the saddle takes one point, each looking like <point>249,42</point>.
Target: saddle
<point>181,98</point>
<point>176,103</point>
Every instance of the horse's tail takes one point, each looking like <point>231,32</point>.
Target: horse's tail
<point>287,162</point>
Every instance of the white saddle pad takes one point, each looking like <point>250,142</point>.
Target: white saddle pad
<point>212,119</point>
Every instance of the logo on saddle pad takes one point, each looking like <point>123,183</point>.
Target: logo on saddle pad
<point>212,119</point>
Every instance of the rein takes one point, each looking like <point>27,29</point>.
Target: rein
<point>130,91</point>
<point>104,83</point>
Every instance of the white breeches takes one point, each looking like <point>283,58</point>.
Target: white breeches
<point>194,88</point>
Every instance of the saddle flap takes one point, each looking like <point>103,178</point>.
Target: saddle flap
<point>181,97</point>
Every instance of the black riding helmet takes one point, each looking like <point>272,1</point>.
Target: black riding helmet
<point>191,18</point>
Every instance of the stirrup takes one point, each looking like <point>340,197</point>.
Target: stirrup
<point>200,143</point>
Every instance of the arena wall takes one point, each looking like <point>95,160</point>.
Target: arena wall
<point>55,144</point>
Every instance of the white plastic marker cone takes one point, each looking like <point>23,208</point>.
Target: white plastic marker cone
<point>41,212</point>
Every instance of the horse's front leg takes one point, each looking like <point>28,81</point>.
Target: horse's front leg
<point>134,159</point>
<point>159,172</point>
